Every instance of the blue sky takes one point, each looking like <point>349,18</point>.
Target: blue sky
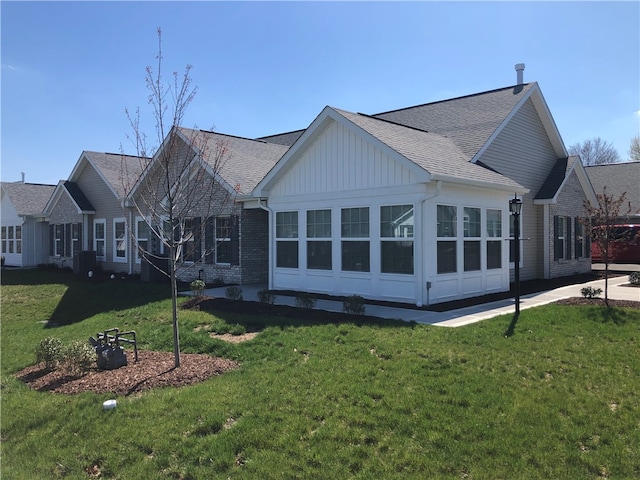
<point>69,69</point>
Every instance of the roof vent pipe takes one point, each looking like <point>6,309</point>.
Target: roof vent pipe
<point>22,173</point>
<point>520,73</point>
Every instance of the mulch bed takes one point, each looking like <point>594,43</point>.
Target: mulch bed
<point>153,369</point>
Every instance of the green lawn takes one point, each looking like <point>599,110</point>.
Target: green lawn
<point>560,399</point>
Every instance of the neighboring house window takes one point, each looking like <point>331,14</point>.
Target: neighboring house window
<point>396,239</point>
<point>58,240</point>
<point>447,217</point>
<point>142,238</point>
<point>355,239</point>
<point>4,239</point>
<point>223,240</point>
<point>10,239</point>
<point>18,239</point>
<point>119,240</point>
<point>191,239</point>
<point>76,235</point>
<point>319,250</point>
<point>287,239</point>
<point>99,239</point>
<point>472,231</point>
<point>559,234</point>
<point>494,239</point>
<point>579,238</point>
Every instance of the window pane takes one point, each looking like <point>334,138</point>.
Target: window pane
<point>4,233</point>
<point>494,254</point>
<point>121,244</point>
<point>286,224</point>
<point>223,252</point>
<point>355,256</point>
<point>494,223</point>
<point>447,218</point>
<point>447,260</point>
<point>355,222</point>
<point>397,257</point>
<point>18,232</point>
<point>471,222</point>
<point>100,230</point>
<point>471,256</point>
<point>319,255</point>
<point>143,229</point>
<point>287,254</point>
<point>319,224</point>
<point>396,221</point>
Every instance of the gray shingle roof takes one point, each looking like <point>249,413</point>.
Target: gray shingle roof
<point>618,178</point>
<point>288,138</point>
<point>555,178</point>
<point>435,153</point>
<point>29,199</point>
<point>247,161</point>
<point>468,121</point>
<point>119,171</point>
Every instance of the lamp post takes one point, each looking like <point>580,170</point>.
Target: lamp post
<point>515,207</point>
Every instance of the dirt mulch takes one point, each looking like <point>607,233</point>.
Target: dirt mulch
<point>153,369</point>
<point>599,302</point>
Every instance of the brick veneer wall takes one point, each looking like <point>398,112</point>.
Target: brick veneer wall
<point>570,204</point>
<point>254,246</point>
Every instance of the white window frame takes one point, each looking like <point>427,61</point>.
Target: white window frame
<point>103,239</point>
<point>139,220</point>
<point>220,240</point>
<point>58,241</point>
<point>116,241</point>
<point>493,230</point>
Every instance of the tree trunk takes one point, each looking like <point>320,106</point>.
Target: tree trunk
<point>174,305</point>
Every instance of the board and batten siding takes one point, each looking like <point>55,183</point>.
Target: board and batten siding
<point>323,169</point>
<point>522,151</point>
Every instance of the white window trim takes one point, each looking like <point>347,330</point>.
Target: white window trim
<point>138,220</point>
<point>115,257</point>
<point>102,222</point>
<point>219,240</point>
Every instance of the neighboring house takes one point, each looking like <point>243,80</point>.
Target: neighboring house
<point>412,205</point>
<point>226,241</point>
<point>85,212</point>
<point>24,229</point>
<point>619,178</point>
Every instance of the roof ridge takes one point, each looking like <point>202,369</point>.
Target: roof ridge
<point>233,136</point>
<point>398,124</point>
<point>453,98</point>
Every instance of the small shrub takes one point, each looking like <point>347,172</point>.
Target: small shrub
<point>264,296</point>
<point>634,278</point>
<point>354,305</point>
<point>233,293</point>
<point>304,300</point>
<point>50,351</point>
<point>78,358</point>
<point>197,287</point>
<point>590,292</point>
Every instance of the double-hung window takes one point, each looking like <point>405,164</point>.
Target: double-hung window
<point>58,240</point>
<point>447,232</point>
<point>142,238</point>
<point>223,240</point>
<point>355,245</point>
<point>396,239</point>
<point>559,237</point>
<point>494,239</point>
<point>119,240</point>
<point>319,250</point>
<point>472,231</point>
<point>99,238</point>
<point>287,239</point>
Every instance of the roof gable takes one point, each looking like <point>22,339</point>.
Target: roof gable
<point>77,197</point>
<point>29,199</point>
<point>118,171</point>
<point>473,121</point>
<point>430,156</point>
<point>244,161</point>
<point>559,176</point>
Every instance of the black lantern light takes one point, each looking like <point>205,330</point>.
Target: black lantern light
<point>515,207</point>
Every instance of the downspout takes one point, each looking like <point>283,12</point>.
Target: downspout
<point>421,270</point>
<point>270,259</point>
<point>546,229</point>
<point>132,242</point>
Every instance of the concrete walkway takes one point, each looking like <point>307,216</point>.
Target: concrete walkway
<point>460,317</point>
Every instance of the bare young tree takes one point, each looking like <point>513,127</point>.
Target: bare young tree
<point>634,149</point>
<point>179,184</point>
<point>595,152</point>
<point>601,223</point>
